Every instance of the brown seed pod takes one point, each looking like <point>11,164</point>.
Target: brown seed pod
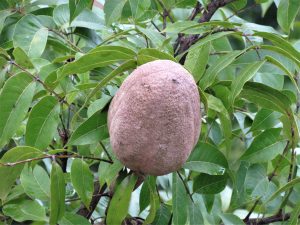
<point>154,120</point>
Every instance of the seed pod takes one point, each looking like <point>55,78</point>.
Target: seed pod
<point>154,119</point>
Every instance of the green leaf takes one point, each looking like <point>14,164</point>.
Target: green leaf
<point>25,210</point>
<point>99,104</point>
<point>76,7</point>
<point>245,75</point>
<point>206,158</point>
<point>216,105</point>
<point>157,39</point>
<point>57,194</point>
<point>150,54</point>
<point>30,35</point>
<point>154,199</point>
<point>282,51</point>
<point>230,219</point>
<point>204,167</point>
<point>120,201</point>
<point>4,53</point>
<point>265,147</point>
<point>284,69</point>
<point>286,13</point>
<point>280,42</point>
<point>113,10</point>
<point>212,37</point>
<point>195,214</point>
<point>91,131</point>
<point>61,15</point>
<point>139,7</point>
<point>286,187</point>
<point>36,182</point>
<point>211,73</point>
<point>209,184</point>
<point>3,16</point>
<point>14,155</point>
<point>15,99</point>
<point>73,219</point>
<point>163,215</point>
<point>266,97</point>
<point>98,57</point>
<point>179,200</point>
<point>108,172</point>
<point>196,60</point>
<point>88,19</point>
<point>42,122</point>
<point>265,119</point>
<point>22,59</point>
<point>82,180</point>
<point>294,219</point>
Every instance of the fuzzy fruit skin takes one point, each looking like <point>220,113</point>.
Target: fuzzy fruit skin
<point>154,119</point>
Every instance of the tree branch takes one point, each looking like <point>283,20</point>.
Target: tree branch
<point>185,43</point>
<point>10,164</point>
<point>268,220</point>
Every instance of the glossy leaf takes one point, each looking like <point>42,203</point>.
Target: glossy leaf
<point>154,199</point>
<point>93,130</point>
<point>286,14</point>
<point>25,210</point>
<point>30,35</point>
<point>12,156</point>
<point>163,215</point>
<point>98,57</point>
<point>76,7</point>
<point>82,180</point>
<point>22,58</point>
<point>120,201</point>
<point>196,60</point>
<point>209,184</point>
<point>265,119</point>
<point>113,10</point>
<point>179,201</point>
<point>266,97</point>
<point>206,158</point>
<point>42,122</point>
<point>265,147</point>
<point>36,182</point>
<point>57,194</point>
<point>150,54</point>
<point>286,187</point>
<point>15,99</point>
<point>230,219</point>
<point>245,75</point>
<point>73,219</point>
<point>211,73</point>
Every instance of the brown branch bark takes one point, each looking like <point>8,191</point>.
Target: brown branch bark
<point>98,193</point>
<point>268,220</point>
<point>185,43</point>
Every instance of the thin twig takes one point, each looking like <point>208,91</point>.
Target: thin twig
<point>66,39</point>
<point>105,150</point>
<point>185,186</point>
<point>166,11</point>
<point>41,82</point>
<point>156,27</point>
<point>10,164</point>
